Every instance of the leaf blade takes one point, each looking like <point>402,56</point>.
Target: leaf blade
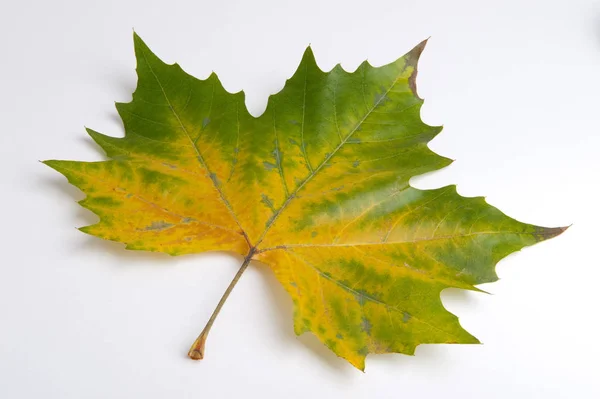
<point>317,188</point>
<point>152,208</point>
<point>403,273</point>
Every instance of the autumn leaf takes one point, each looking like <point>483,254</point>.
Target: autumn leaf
<point>317,188</point>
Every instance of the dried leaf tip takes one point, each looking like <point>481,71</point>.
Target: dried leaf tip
<point>546,233</point>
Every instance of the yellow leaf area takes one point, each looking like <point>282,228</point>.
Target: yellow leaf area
<point>317,188</point>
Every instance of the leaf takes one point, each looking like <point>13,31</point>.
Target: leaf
<point>317,188</point>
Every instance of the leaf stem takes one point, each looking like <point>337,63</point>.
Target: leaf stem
<point>197,350</point>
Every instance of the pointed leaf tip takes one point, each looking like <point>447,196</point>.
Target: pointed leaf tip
<point>359,363</point>
<point>51,163</point>
<point>308,56</point>
<point>97,137</point>
<point>414,54</point>
<point>138,43</point>
<point>545,233</point>
<point>142,50</point>
<point>412,60</point>
<point>136,37</point>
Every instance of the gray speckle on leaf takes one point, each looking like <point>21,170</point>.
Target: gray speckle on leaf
<point>158,226</point>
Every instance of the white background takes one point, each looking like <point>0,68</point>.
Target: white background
<point>516,85</point>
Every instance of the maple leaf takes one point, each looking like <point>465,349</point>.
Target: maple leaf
<point>317,188</point>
